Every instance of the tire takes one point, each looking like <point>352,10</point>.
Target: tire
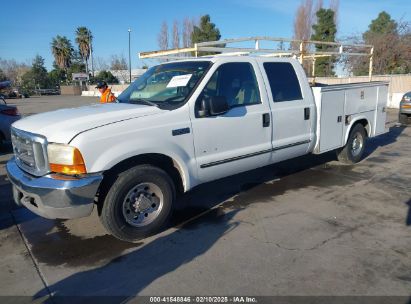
<point>353,151</point>
<point>403,119</point>
<point>138,204</point>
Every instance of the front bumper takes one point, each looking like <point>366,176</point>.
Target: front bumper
<point>405,110</point>
<point>54,198</point>
<point>405,107</point>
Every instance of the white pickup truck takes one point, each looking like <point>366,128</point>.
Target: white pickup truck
<point>181,124</point>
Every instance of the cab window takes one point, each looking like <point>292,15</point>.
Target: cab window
<point>236,82</point>
<point>283,81</point>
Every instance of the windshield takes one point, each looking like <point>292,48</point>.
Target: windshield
<point>166,85</point>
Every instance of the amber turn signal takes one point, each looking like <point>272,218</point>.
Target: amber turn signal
<point>65,159</point>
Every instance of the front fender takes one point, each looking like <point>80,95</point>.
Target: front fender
<point>103,148</point>
<point>120,152</point>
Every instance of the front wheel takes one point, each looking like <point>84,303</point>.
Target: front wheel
<point>353,151</point>
<point>138,204</point>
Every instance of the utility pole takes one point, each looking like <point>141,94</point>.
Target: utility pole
<point>129,55</point>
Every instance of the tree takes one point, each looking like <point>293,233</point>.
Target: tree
<point>56,76</point>
<point>120,66</point>
<point>305,17</point>
<point>118,63</point>
<point>101,64</point>
<point>205,31</point>
<point>163,36</point>
<point>188,27</point>
<point>303,23</point>
<point>176,36</point>
<point>383,24</point>
<point>3,76</point>
<point>13,70</point>
<point>62,50</point>
<point>36,77</point>
<point>76,66</point>
<point>106,76</point>
<point>84,40</point>
<point>392,47</point>
<point>39,71</point>
<point>324,30</point>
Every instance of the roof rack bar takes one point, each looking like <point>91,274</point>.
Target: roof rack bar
<point>235,49</point>
<point>300,49</point>
<point>152,54</point>
<point>276,39</point>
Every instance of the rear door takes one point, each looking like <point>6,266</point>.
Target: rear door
<point>292,112</point>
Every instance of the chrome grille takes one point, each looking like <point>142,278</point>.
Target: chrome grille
<point>30,151</point>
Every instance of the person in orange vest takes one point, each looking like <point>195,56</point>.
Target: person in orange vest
<point>106,94</point>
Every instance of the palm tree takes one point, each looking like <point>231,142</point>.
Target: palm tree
<point>84,39</point>
<point>62,50</point>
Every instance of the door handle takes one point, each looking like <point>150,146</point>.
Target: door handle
<point>266,120</point>
<point>306,113</point>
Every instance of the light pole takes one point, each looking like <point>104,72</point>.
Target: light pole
<point>129,55</point>
<point>90,45</point>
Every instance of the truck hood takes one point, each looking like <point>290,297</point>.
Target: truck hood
<point>62,125</point>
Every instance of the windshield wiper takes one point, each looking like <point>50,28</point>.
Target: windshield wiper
<point>143,101</point>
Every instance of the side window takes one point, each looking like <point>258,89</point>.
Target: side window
<point>236,82</point>
<point>283,81</point>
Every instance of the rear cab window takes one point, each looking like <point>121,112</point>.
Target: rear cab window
<point>283,81</point>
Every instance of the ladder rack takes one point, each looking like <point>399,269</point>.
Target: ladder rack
<point>301,49</point>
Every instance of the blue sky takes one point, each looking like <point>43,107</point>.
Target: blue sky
<point>27,27</point>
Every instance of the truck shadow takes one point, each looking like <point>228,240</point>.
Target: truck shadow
<point>125,276</point>
<point>383,140</point>
<point>289,175</point>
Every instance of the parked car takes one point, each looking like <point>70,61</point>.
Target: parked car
<point>8,115</point>
<point>405,109</point>
<point>210,118</point>
<point>16,94</point>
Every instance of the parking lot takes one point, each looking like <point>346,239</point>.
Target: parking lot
<point>307,226</point>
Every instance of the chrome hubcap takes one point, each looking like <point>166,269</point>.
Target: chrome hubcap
<point>142,204</point>
<point>357,144</point>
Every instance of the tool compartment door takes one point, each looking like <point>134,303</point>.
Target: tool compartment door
<point>380,110</point>
<point>331,120</point>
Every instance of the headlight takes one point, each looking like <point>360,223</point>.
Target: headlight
<point>65,159</point>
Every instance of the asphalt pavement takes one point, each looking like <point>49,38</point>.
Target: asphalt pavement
<point>308,226</point>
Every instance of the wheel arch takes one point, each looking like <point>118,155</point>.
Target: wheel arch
<point>164,162</point>
<point>359,120</point>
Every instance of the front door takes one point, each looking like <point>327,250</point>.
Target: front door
<point>240,139</point>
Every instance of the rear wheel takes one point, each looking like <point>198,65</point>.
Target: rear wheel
<point>138,204</point>
<point>353,151</point>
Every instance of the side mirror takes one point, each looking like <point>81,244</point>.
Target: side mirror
<point>213,106</point>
